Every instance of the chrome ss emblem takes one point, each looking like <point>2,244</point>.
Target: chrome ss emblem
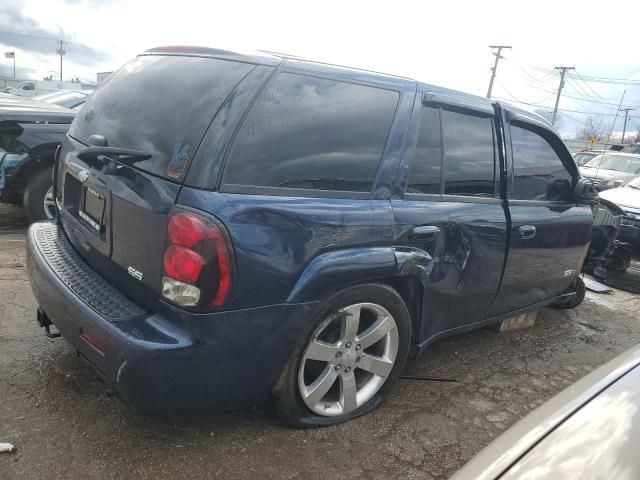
<point>83,175</point>
<point>567,273</point>
<point>135,273</point>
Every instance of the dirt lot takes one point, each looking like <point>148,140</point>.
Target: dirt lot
<point>64,426</point>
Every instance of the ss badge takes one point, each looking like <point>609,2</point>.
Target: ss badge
<point>135,273</point>
<point>567,273</point>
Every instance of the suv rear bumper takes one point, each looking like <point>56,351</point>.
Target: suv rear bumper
<point>160,362</point>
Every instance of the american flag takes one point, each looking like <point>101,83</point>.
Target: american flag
<point>9,54</point>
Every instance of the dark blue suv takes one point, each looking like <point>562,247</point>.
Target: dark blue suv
<point>233,227</point>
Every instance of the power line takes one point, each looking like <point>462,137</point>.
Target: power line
<point>619,81</point>
<point>544,100</point>
<point>589,86</point>
<point>559,109</point>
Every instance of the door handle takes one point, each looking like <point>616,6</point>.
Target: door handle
<point>527,231</point>
<point>424,232</point>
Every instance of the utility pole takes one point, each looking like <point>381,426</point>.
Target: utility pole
<point>563,70</point>
<point>626,114</point>
<point>495,65</point>
<point>61,52</point>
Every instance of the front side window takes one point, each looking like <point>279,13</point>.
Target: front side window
<point>469,159</point>
<point>427,159</point>
<point>312,133</point>
<point>538,171</point>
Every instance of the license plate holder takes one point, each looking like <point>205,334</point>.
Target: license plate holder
<point>92,209</point>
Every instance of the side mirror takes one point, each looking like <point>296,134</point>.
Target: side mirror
<point>585,193</point>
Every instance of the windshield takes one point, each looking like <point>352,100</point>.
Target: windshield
<point>127,110</point>
<point>619,163</point>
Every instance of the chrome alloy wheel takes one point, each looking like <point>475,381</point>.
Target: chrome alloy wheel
<point>348,359</point>
<point>49,203</point>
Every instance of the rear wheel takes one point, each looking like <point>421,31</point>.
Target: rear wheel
<point>38,200</point>
<point>352,356</point>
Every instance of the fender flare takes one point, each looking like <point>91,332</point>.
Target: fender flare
<point>332,271</point>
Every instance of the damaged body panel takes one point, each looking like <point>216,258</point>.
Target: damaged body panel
<point>607,255</point>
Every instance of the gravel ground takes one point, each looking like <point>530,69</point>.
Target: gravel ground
<point>63,425</point>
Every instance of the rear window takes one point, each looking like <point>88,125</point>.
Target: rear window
<point>313,133</point>
<point>161,105</point>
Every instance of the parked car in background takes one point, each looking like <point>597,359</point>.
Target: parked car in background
<point>627,197</point>
<point>293,229</point>
<point>610,170</point>
<point>31,88</point>
<point>633,148</point>
<point>29,136</point>
<point>584,156</point>
<point>62,98</point>
<point>65,98</point>
<point>590,430</point>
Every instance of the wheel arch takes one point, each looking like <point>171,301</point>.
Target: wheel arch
<point>40,158</point>
<point>403,269</point>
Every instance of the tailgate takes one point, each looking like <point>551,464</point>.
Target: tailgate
<point>115,208</point>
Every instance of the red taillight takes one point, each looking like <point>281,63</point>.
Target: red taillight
<point>186,230</point>
<point>183,264</point>
<point>198,264</point>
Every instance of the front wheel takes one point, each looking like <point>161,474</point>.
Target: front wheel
<point>355,350</point>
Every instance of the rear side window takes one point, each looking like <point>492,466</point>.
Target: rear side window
<point>538,171</point>
<point>161,105</point>
<point>427,159</point>
<point>469,154</point>
<point>312,133</point>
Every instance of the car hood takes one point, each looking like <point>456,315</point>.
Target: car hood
<point>623,197</point>
<point>505,452</point>
<point>604,174</point>
<point>40,112</point>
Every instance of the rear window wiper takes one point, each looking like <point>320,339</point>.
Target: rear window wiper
<point>93,153</point>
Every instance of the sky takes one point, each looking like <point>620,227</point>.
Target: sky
<point>443,43</point>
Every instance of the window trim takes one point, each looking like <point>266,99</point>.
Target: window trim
<point>225,187</point>
<point>544,134</point>
<point>432,100</point>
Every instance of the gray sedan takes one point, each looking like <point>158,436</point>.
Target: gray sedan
<point>590,430</point>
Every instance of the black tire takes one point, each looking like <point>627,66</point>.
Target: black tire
<point>288,403</point>
<point>33,197</point>
<point>581,291</point>
<point>629,281</point>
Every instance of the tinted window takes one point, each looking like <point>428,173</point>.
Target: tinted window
<point>469,156</point>
<point>161,105</point>
<point>425,167</point>
<point>312,133</point>
<point>539,172</point>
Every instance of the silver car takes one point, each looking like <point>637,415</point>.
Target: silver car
<point>610,170</point>
<point>591,430</point>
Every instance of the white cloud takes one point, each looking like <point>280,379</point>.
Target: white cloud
<point>444,43</point>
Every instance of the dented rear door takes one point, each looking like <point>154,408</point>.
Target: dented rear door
<point>451,211</point>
